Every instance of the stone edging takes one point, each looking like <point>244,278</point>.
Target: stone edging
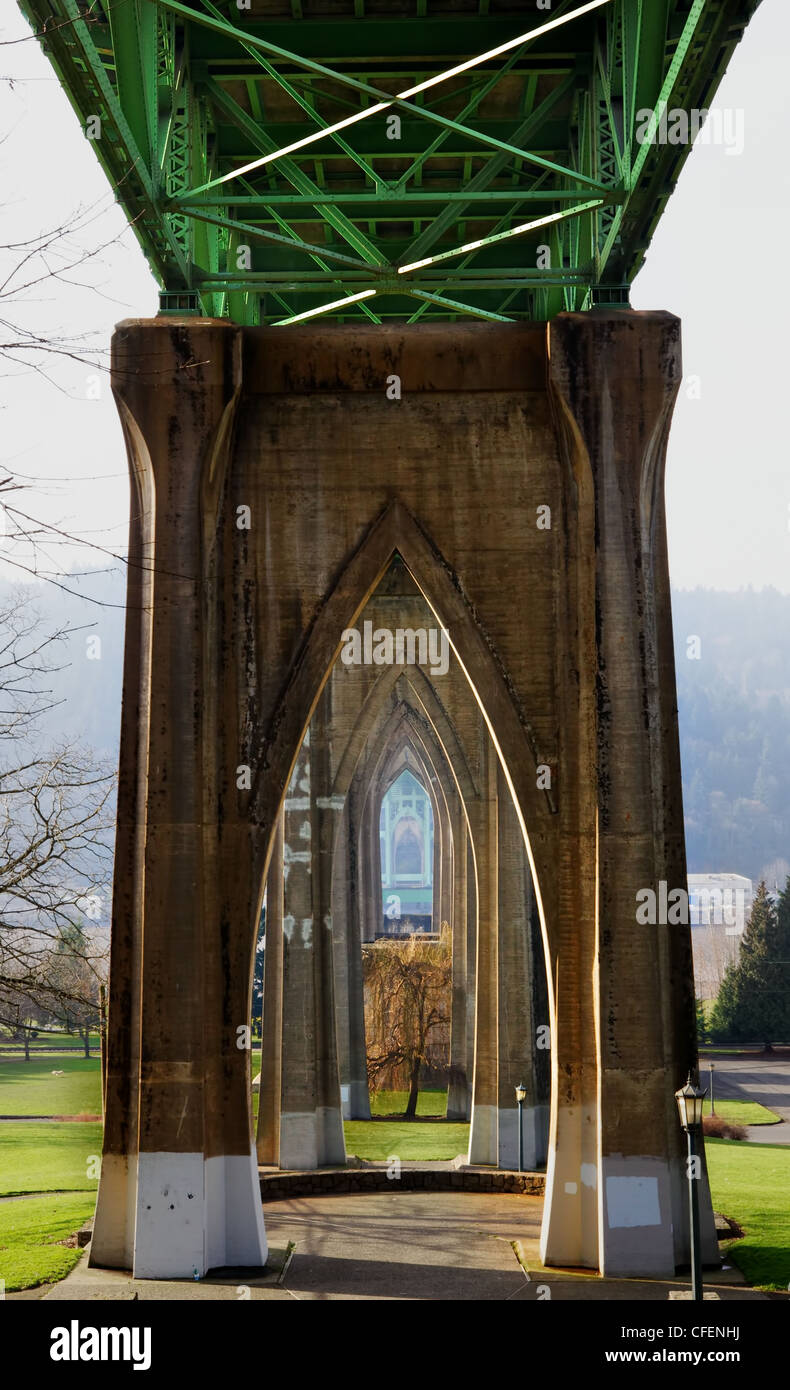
<point>275,1186</point>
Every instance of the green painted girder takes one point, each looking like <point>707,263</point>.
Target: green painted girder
<point>280,160</point>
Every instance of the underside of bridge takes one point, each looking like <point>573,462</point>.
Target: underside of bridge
<point>472,448</point>
<point>416,160</point>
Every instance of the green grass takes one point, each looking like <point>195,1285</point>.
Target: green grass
<point>394,1102</point>
<point>743,1112</point>
<point>29,1229</point>
<point>47,1157</point>
<point>751,1183</point>
<point>47,1039</point>
<point>712,1051</point>
<point>376,1139</point>
<point>29,1088</point>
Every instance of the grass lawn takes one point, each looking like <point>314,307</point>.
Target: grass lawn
<point>751,1184</point>
<point>28,1231</point>
<point>47,1157</point>
<point>394,1103</point>
<point>29,1088</point>
<point>47,1039</point>
<point>743,1112</point>
<point>375,1139</point>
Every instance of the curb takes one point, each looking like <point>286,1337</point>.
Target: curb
<point>276,1186</point>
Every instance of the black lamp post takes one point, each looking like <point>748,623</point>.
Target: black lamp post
<point>521,1095</point>
<point>712,1105</point>
<point>690,1100</point>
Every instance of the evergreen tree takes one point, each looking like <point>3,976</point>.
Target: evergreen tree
<point>753,1003</point>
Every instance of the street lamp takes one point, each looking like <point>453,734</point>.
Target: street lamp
<point>690,1100</point>
<point>521,1096</point>
<point>712,1106</point>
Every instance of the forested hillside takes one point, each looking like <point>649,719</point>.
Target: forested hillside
<point>734,705</point>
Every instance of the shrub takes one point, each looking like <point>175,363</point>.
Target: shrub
<point>715,1127</point>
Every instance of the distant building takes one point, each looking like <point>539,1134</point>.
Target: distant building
<point>719,908</point>
<point>406,834</point>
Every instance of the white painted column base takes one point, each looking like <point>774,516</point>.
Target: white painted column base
<point>569,1233</point>
<point>636,1217</point>
<point>195,1214</point>
<point>312,1139</point>
<point>535,1125</point>
<point>483,1135</point>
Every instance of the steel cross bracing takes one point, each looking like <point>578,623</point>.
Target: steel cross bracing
<point>388,159</point>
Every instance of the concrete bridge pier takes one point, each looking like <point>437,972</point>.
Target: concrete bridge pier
<point>521,1048</point>
<point>347,942</point>
<point>458,1090</point>
<point>311,1123</point>
<point>270,1089</point>
<point>228,646</point>
<point>615,377</point>
<point>483,1140</point>
<point>179,1187</point>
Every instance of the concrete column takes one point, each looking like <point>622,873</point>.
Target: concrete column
<point>268,1136</point>
<point>471,968</point>
<point>439,866</point>
<point>447,899</point>
<point>186,867</point>
<point>112,1244</point>
<point>341,907</point>
<point>483,1144</point>
<point>518,1039</point>
<point>458,1090</point>
<point>616,376</point>
<point>368,876</point>
<point>358,1100</point>
<point>311,1125</point>
<point>541,1016</point>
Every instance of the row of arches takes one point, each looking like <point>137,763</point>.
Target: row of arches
<point>482,891</point>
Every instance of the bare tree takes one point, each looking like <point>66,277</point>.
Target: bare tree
<point>407,1008</point>
<point>40,268</point>
<point>55,836</point>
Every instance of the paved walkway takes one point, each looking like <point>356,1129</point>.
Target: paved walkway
<point>766,1080</point>
<point>397,1246</point>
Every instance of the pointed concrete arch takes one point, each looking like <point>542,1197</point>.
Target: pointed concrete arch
<point>395,532</point>
<point>395,728</point>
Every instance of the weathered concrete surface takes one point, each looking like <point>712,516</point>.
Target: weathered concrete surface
<point>274,480</point>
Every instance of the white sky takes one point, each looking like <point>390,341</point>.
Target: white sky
<point>717,260</point>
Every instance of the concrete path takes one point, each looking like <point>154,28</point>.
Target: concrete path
<point>766,1080</point>
<point>405,1246</point>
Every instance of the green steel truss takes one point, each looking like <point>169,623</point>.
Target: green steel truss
<point>388,159</point>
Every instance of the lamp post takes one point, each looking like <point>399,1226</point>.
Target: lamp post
<point>690,1100</point>
<point>521,1095</point>
<point>712,1106</point>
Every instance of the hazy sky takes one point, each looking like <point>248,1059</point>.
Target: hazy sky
<point>717,260</point>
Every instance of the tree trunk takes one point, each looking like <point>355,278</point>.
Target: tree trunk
<point>86,1039</point>
<point>27,1046</point>
<point>414,1091</point>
